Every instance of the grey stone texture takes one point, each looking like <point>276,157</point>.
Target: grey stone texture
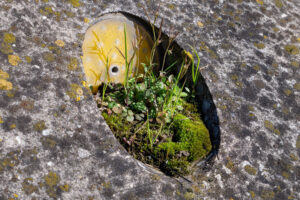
<point>54,144</point>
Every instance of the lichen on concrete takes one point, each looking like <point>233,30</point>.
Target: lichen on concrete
<point>249,52</point>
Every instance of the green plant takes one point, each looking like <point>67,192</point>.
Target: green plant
<point>145,110</point>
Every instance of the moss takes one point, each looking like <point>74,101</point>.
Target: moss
<point>256,67</point>
<point>6,48</point>
<point>29,188</point>
<point>60,43</point>
<point>75,92</point>
<point>189,195</point>
<point>285,174</point>
<point>298,142</point>
<point>65,188</point>
<point>55,49</point>
<point>117,124</point>
<point>252,193</point>
<point>267,194</point>
<point>51,179</point>
<point>250,170</point>
<point>230,165</point>
<point>9,38</point>
<point>259,45</point>
<point>49,57</point>
<point>73,64</point>
<point>5,85</point>
<point>39,126</point>
<point>268,125</point>
<point>48,142</point>
<point>287,92</point>
<point>278,3</point>
<point>14,60</point>
<point>75,3</point>
<point>192,136</point>
<point>291,49</point>
<point>184,141</point>
<point>28,59</point>
<point>297,86</point>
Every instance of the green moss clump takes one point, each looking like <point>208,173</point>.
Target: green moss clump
<point>190,142</point>
<point>192,136</point>
<point>117,124</point>
<point>172,146</point>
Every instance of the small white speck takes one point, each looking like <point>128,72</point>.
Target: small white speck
<point>70,133</point>
<point>83,153</point>
<point>18,139</point>
<point>46,132</point>
<point>283,15</point>
<point>78,126</point>
<point>104,151</point>
<point>14,45</point>
<point>211,12</point>
<point>36,66</point>
<point>50,164</point>
<point>44,17</point>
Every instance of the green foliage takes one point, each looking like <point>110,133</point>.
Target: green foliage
<point>151,115</point>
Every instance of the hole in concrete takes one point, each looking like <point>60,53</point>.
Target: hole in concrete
<point>149,94</point>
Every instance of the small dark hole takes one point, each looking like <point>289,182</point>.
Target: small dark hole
<point>115,69</point>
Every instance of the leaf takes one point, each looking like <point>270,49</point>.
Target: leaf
<point>179,107</point>
<point>187,89</point>
<point>111,104</point>
<point>130,118</point>
<point>117,109</point>
<point>160,118</point>
<point>183,94</point>
<point>130,113</point>
<point>138,117</point>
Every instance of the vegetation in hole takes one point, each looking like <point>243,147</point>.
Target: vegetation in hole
<point>153,113</point>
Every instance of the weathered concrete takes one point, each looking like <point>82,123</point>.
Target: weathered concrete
<point>54,142</point>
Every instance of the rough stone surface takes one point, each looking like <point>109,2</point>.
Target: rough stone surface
<point>55,144</point>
